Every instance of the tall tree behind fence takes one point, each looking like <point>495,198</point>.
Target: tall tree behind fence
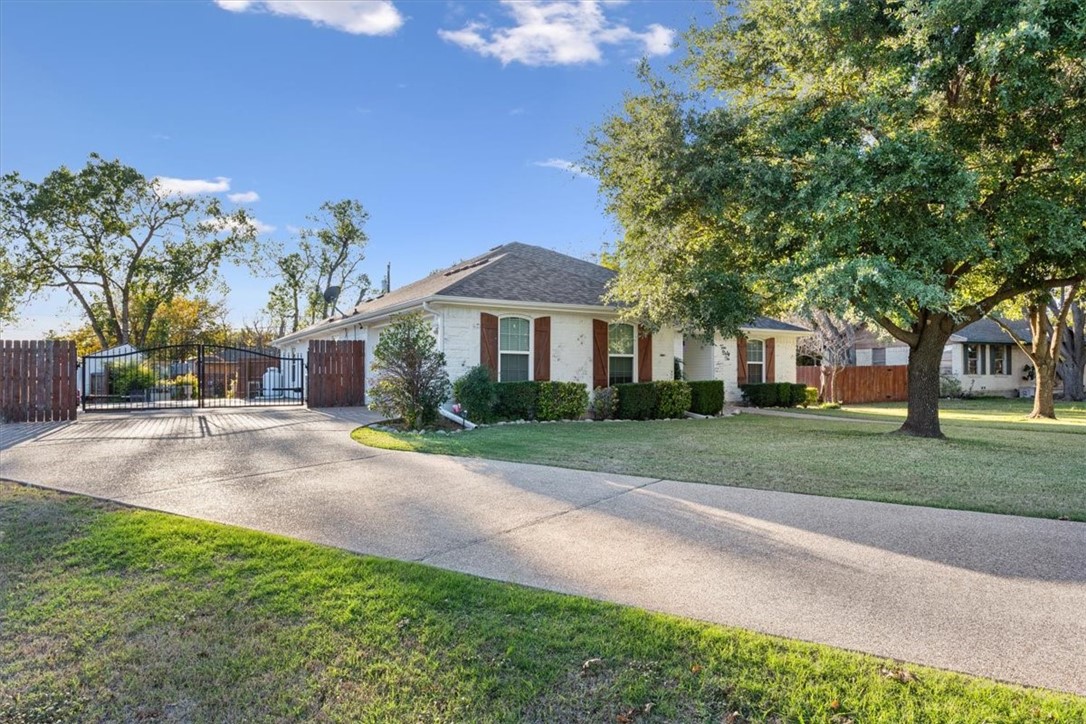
<point>337,373</point>
<point>879,383</point>
<point>37,380</point>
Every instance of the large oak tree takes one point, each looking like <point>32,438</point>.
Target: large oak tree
<point>916,162</point>
<point>117,243</point>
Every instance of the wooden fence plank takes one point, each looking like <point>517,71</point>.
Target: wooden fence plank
<point>855,385</point>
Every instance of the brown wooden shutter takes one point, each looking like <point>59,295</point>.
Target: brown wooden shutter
<point>488,343</point>
<point>770,360</point>
<point>542,349</point>
<point>741,359</point>
<point>599,353</point>
<point>644,355</point>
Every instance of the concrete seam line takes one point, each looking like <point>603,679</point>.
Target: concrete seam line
<point>529,524</point>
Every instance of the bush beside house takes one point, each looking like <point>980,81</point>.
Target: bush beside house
<point>706,397</point>
<point>774,394</point>
<point>484,401</point>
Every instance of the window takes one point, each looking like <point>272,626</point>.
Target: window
<point>755,360</point>
<point>620,353</point>
<point>513,349</point>
<point>878,356</point>
<point>999,360</point>
<point>972,359</point>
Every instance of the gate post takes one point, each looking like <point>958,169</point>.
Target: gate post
<point>199,375</point>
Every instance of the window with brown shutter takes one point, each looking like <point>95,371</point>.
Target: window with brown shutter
<point>770,360</point>
<point>741,359</point>
<point>599,353</point>
<point>488,344</point>
<point>644,355</point>
<point>542,349</point>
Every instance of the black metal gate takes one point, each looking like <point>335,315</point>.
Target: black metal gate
<point>190,375</point>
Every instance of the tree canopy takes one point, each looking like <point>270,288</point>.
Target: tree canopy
<point>913,162</point>
<point>330,253</point>
<point>117,243</point>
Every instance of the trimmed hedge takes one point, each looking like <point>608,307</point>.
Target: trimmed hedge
<point>543,401</point>
<point>706,397</point>
<point>561,401</point>
<point>652,400</point>
<point>516,400</point>
<point>774,394</point>
<point>811,397</point>
<point>636,401</point>
<point>672,399</point>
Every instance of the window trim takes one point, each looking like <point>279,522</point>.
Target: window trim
<point>530,353</point>
<point>965,358</point>
<point>760,363</point>
<point>632,356</point>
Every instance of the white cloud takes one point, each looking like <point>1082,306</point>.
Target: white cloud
<point>244,197</point>
<point>233,224</point>
<point>168,186</point>
<point>358,17</point>
<point>562,32</point>
<point>563,165</point>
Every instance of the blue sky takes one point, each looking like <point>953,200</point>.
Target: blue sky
<point>450,121</point>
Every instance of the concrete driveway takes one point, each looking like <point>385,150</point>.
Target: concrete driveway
<point>997,596</point>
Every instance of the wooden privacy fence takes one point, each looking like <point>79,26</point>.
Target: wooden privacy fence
<point>882,383</point>
<point>337,373</point>
<point>37,381</point>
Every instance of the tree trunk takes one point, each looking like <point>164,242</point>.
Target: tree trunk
<point>1044,383</point>
<point>925,358</point>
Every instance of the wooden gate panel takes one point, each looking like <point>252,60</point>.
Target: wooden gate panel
<point>855,385</point>
<point>37,380</point>
<point>337,373</point>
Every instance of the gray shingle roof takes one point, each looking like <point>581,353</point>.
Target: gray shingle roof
<point>774,324</point>
<point>986,331</point>
<point>512,272</point>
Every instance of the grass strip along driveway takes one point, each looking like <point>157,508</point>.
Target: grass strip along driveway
<point>120,614</point>
<point>980,467</point>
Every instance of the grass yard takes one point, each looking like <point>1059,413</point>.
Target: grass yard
<point>981,467</point>
<point>116,614</point>
<point>990,411</point>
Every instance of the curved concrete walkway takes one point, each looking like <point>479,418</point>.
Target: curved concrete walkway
<point>997,596</point>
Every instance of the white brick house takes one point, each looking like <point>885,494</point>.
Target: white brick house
<point>529,313</point>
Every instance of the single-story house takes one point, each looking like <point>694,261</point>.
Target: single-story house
<point>982,356</point>
<point>529,313</point>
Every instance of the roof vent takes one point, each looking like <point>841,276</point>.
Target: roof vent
<point>465,267</point>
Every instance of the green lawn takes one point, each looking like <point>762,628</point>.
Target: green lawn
<point>989,411</point>
<point>116,614</point>
<point>980,467</point>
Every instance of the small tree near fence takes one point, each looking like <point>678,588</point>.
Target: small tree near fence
<point>410,375</point>
<point>830,343</point>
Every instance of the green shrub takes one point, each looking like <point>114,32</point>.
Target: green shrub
<point>672,399</point>
<point>604,405</point>
<point>561,401</point>
<point>409,372</point>
<point>799,395</point>
<point>636,401</point>
<point>476,395</point>
<point>706,397</point>
<point>760,394</point>
<point>949,386</point>
<point>784,394</point>
<point>516,400</point>
<point>810,396</point>
<point>132,376</point>
<point>185,387</point>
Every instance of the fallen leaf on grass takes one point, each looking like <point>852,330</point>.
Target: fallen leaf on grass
<point>899,675</point>
<point>591,666</point>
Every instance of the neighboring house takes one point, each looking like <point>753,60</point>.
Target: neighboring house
<point>528,313</point>
<point>981,355</point>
